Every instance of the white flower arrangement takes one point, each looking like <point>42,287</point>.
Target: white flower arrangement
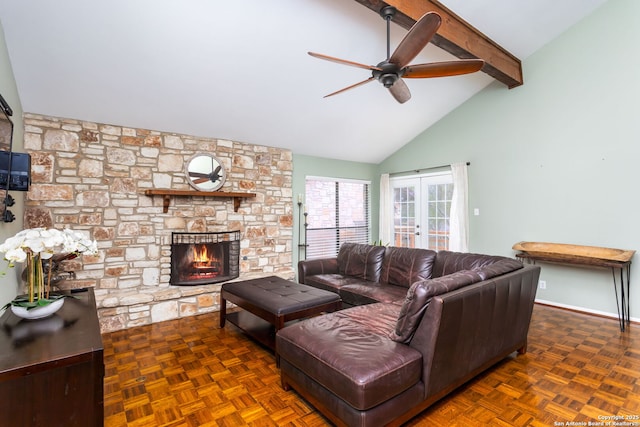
<point>46,242</point>
<point>33,245</point>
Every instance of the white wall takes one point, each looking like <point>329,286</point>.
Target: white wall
<point>9,277</point>
<point>557,159</point>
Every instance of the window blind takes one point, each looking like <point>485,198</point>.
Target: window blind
<point>337,212</point>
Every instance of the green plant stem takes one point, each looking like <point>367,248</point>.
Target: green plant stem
<point>35,278</point>
<point>30,275</point>
<point>39,277</point>
<point>48,287</point>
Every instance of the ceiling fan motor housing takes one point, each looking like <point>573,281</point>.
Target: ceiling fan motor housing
<point>388,73</point>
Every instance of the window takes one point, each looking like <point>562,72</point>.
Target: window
<point>422,206</point>
<point>337,212</point>
<point>439,192</point>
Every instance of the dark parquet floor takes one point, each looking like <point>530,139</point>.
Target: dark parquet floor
<point>579,370</point>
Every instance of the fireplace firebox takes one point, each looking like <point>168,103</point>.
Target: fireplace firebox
<point>204,258</point>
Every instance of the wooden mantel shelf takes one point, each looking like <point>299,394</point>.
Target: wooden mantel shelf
<point>167,194</point>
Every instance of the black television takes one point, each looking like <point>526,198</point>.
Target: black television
<point>14,171</point>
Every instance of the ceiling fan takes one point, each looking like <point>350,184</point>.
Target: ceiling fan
<point>204,177</point>
<point>391,71</point>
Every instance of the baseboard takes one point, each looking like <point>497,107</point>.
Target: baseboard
<point>583,310</point>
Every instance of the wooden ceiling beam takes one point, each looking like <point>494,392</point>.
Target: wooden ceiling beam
<point>457,37</point>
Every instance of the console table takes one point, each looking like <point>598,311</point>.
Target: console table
<point>590,256</point>
<point>51,370</point>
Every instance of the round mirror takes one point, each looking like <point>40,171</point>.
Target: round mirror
<point>205,172</point>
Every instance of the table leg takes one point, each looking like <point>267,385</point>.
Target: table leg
<point>619,307</point>
<point>624,298</point>
<point>622,302</point>
<point>628,294</point>
<point>626,302</point>
<point>279,324</point>
<point>223,311</point>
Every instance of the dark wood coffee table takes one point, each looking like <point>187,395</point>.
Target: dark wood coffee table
<point>269,303</point>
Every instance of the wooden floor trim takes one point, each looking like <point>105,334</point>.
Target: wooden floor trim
<point>578,310</point>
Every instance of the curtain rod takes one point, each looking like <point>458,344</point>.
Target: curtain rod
<point>424,169</point>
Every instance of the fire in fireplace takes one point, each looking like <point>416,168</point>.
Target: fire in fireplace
<point>204,258</point>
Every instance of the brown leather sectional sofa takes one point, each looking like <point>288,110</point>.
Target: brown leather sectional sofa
<point>421,324</point>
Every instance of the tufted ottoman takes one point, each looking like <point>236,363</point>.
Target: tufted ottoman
<point>269,303</point>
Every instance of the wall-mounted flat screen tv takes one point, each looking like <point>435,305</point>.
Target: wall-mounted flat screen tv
<point>18,174</point>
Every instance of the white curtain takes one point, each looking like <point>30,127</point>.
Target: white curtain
<point>385,210</point>
<point>459,215</point>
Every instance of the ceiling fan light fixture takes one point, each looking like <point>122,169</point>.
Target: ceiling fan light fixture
<point>388,80</point>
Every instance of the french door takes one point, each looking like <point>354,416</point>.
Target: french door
<point>421,208</point>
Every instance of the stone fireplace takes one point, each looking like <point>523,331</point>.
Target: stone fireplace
<point>204,258</point>
<point>93,177</point>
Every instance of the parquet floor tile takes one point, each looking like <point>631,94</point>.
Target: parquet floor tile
<point>190,373</point>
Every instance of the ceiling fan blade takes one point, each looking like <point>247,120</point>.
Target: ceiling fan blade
<point>416,39</point>
<point>443,69</point>
<point>344,61</point>
<point>370,79</point>
<point>199,174</point>
<point>200,180</point>
<point>400,91</point>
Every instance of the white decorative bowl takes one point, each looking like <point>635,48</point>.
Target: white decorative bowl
<point>38,312</point>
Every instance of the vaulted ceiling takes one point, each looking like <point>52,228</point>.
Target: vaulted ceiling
<point>239,70</point>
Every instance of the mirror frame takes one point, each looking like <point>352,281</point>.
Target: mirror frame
<point>205,164</point>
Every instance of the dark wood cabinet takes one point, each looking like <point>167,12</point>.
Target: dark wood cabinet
<point>52,370</point>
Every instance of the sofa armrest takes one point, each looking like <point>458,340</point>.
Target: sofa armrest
<point>316,266</point>
<point>419,295</point>
<point>465,331</point>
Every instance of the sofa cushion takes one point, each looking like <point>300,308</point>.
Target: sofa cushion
<point>447,262</point>
<point>330,282</point>
<point>365,292</point>
<point>349,353</point>
<point>361,261</point>
<point>404,266</point>
<point>418,297</point>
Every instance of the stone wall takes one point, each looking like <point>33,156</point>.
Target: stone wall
<point>92,177</point>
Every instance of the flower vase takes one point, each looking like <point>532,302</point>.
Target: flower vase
<point>37,303</point>
<point>39,312</point>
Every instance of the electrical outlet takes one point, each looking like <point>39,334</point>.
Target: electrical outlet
<point>542,284</point>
